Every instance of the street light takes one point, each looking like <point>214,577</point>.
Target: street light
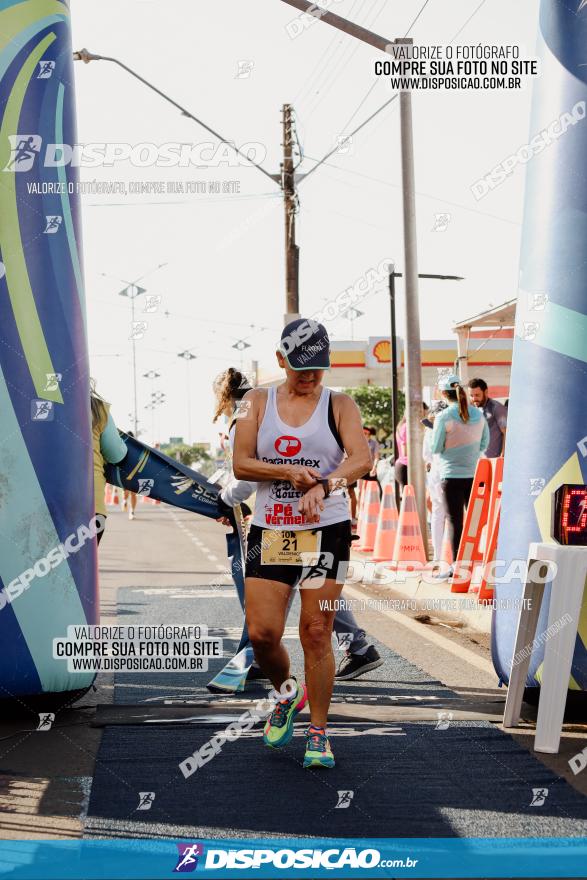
<point>132,291</point>
<point>152,375</point>
<point>188,358</point>
<point>352,314</point>
<point>394,354</point>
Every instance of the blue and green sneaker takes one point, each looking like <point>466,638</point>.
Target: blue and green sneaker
<point>318,751</point>
<point>279,726</point>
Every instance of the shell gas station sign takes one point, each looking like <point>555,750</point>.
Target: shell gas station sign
<point>368,362</point>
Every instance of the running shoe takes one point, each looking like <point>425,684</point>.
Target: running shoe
<point>279,726</point>
<point>444,574</point>
<point>355,665</point>
<point>318,751</point>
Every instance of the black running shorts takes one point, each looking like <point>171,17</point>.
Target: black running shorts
<point>329,545</point>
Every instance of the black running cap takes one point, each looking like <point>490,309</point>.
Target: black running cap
<point>305,345</point>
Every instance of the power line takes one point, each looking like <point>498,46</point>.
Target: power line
<point>393,97</point>
<point>416,18</point>
<point>445,201</point>
<point>86,56</point>
<point>374,83</point>
<point>473,14</point>
<point>213,200</point>
<point>348,52</point>
<point>322,62</point>
<point>362,125</point>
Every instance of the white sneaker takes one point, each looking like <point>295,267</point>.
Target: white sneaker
<point>444,575</point>
<point>131,514</point>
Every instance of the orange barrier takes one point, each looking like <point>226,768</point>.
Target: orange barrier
<point>370,517</point>
<point>108,494</point>
<point>475,520</point>
<point>409,553</point>
<point>486,585</point>
<point>386,533</point>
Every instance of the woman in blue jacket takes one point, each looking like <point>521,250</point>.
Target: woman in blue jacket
<point>460,437</point>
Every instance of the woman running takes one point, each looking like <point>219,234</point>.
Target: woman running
<point>459,438</point>
<point>360,656</point>
<point>108,446</point>
<point>292,442</point>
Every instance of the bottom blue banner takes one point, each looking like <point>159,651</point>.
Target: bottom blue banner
<point>297,857</point>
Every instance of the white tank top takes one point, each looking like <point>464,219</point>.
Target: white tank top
<point>312,444</point>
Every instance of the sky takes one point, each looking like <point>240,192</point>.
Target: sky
<point>233,64</point>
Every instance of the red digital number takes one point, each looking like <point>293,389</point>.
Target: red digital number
<point>570,496</point>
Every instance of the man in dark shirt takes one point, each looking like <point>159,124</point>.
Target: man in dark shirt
<point>495,413</point>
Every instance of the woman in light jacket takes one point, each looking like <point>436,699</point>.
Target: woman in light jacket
<point>460,437</point>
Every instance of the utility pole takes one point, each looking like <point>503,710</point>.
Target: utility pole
<point>413,360</point>
<point>290,202</point>
<point>394,388</point>
<point>413,354</point>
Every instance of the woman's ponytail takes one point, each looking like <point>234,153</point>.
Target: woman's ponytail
<point>229,386</point>
<point>463,403</point>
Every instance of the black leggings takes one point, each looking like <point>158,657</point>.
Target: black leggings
<point>456,497</point>
<point>401,476</point>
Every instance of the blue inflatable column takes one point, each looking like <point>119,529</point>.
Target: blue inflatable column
<point>48,576</point>
<point>547,430</point>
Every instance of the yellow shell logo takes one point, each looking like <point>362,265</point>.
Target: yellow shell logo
<point>382,351</point>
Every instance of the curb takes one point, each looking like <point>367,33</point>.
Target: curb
<point>416,594</point>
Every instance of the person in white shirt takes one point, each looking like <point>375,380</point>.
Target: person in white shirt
<point>433,482</point>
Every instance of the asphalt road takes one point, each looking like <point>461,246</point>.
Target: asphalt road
<point>418,742</point>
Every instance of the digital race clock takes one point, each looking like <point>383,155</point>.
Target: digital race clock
<point>569,515</point>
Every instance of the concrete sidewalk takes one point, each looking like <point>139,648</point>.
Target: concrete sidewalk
<point>418,594</point>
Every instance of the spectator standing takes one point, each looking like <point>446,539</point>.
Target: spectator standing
<point>433,481</point>
<point>401,462</point>
<point>495,413</point>
<point>459,438</point>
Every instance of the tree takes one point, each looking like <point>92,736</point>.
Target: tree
<point>195,456</point>
<point>375,406</point>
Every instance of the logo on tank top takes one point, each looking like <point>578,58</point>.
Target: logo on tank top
<point>288,445</point>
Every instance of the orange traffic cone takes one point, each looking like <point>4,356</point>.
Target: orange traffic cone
<point>362,484</point>
<point>386,526</point>
<point>361,507</point>
<point>115,496</point>
<point>107,494</point>
<point>409,552</point>
<point>369,518</point>
<point>446,554</point>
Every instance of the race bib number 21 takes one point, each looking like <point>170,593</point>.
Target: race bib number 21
<point>286,547</point>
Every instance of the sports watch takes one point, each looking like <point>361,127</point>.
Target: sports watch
<point>334,484</point>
